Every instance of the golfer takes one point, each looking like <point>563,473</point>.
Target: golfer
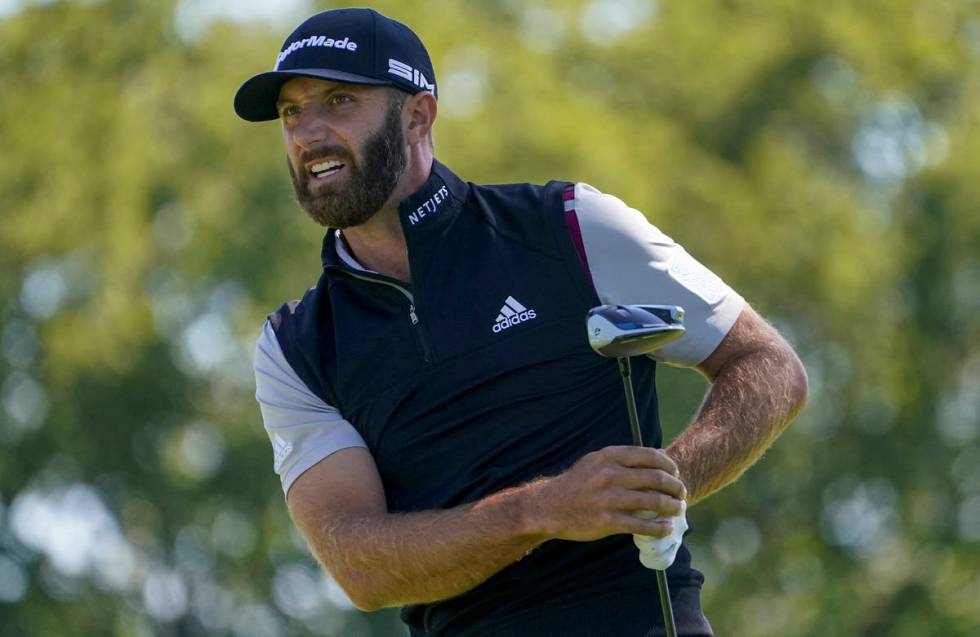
<point>447,440</point>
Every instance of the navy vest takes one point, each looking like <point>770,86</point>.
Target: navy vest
<point>455,403</point>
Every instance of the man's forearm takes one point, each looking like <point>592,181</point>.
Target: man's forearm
<point>384,559</point>
<point>753,398</point>
<point>410,558</point>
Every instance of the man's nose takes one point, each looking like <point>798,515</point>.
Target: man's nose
<point>313,127</point>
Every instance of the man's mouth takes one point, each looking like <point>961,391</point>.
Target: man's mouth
<point>324,169</point>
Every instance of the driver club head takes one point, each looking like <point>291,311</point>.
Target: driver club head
<point>632,330</point>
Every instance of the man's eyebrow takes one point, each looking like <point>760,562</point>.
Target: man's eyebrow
<point>326,91</point>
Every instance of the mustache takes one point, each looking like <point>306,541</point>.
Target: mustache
<point>320,152</point>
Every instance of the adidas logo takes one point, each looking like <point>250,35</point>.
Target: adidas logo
<point>280,449</point>
<point>511,314</point>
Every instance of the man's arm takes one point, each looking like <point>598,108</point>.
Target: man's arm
<point>759,386</point>
<point>383,559</point>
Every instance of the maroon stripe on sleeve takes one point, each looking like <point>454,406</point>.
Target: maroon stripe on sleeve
<point>575,231</point>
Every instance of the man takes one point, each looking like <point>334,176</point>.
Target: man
<point>446,439</point>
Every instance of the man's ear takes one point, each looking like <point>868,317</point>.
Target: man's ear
<point>422,109</point>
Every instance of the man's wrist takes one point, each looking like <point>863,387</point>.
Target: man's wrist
<point>534,524</point>
<point>677,453</point>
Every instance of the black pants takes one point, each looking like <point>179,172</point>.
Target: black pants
<point>626,615</point>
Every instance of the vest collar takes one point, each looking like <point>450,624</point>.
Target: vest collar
<point>423,212</point>
<point>432,205</point>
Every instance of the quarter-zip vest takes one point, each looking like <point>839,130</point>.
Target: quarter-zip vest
<point>455,403</point>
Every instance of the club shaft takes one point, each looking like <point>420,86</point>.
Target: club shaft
<point>624,371</point>
<point>665,606</point>
<point>662,588</point>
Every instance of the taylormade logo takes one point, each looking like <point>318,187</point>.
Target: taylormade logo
<point>511,314</point>
<point>316,40</point>
<point>414,76</point>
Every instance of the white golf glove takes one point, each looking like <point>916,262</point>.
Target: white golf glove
<point>659,553</point>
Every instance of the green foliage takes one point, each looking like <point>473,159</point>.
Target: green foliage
<point>821,157</point>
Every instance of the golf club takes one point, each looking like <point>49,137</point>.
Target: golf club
<point>622,331</point>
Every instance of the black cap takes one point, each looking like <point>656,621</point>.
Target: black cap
<point>358,46</point>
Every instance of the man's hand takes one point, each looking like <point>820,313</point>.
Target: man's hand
<point>605,493</point>
<point>659,553</point>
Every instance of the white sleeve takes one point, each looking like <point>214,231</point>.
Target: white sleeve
<point>632,262</point>
<point>302,428</point>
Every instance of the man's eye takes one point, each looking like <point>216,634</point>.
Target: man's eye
<point>289,110</point>
<point>340,98</point>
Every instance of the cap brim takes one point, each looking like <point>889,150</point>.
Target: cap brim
<point>256,99</point>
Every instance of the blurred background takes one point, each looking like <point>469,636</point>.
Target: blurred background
<point>823,158</point>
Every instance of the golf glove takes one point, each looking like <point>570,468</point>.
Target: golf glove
<point>659,553</point>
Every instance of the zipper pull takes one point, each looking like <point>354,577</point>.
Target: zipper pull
<point>411,313</point>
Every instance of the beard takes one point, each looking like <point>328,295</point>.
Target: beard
<point>367,187</point>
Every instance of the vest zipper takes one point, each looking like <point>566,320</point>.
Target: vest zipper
<point>419,334</point>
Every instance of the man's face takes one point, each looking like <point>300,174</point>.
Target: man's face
<point>344,146</point>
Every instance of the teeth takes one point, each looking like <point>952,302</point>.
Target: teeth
<point>325,166</point>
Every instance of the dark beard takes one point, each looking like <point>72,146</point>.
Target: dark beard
<point>367,189</point>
